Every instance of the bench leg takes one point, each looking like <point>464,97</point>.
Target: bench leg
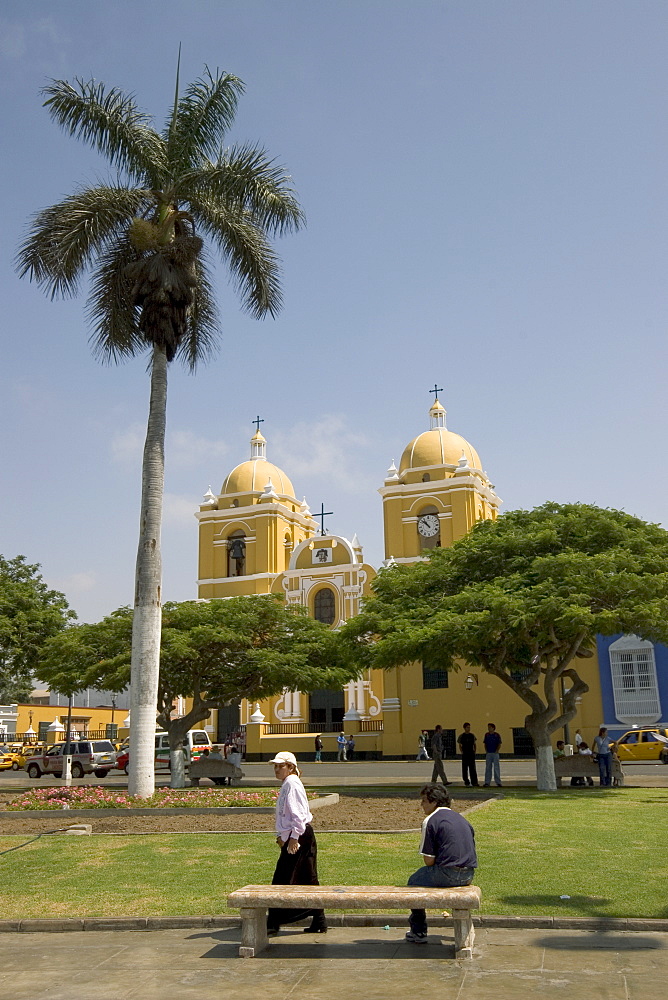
<point>464,933</point>
<point>253,931</point>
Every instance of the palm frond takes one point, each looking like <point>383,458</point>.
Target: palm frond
<point>201,339</point>
<point>110,122</point>
<point>203,115</point>
<point>64,238</point>
<point>110,309</point>
<point>247,180</point>
<point>247,252</point>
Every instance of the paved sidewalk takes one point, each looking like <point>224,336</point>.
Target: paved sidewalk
<point>367,962</point>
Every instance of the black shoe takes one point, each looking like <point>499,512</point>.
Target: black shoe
<point>272,931</point>
<point>316,929</point>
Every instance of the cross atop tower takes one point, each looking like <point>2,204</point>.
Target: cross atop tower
<point>436,390</point>
<point>322,515</point>
<point>257,423</point>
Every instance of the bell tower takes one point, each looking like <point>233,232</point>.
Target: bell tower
<point>437,494</point>
<point>248,532</point>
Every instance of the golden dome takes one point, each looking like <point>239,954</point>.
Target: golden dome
<point>253,476</point>
<point>437,446</point>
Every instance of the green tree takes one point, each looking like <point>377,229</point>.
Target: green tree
<point>142,239</point>
<point>213,652</point>
<point>524,598</point>
<point>29,614</point>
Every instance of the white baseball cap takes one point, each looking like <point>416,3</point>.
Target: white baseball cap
<point>284,757</point>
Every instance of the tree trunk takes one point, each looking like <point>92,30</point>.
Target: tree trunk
<point>147,619</point>
<point>545,777</point>
<point>178,730</point>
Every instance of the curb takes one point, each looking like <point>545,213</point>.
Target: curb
<point>58,925</point>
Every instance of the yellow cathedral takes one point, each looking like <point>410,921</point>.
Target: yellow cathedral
<point>256,537</point>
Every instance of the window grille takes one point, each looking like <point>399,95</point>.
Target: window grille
<point>634,682</point>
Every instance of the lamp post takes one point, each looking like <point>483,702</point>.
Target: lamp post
<point>567,728</point>
<point>471,679</point>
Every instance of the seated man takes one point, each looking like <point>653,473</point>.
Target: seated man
<point>448,851</point>
<point>559,752</point>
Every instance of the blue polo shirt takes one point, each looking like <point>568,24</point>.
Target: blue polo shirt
<point>449,838</point>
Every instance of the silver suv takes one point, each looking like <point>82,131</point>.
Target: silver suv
<point>88,757</point>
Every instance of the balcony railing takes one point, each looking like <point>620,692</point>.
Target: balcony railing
<point>294,728</point>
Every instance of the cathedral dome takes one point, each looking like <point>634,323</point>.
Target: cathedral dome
<point>252,476</point>
<point>437,446</point>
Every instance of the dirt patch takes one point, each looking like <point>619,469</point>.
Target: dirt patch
<point>352,812</point>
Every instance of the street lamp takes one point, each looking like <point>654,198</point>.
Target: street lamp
<point>470,680</point>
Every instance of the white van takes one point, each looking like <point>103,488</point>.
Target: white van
<point>195,741</point>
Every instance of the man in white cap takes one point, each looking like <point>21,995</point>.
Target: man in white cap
<point>298,861</point>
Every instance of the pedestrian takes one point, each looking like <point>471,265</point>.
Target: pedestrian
<point>437,753</point>
<point>318,749</point>
<point>578,739</point>
<point>341,745</point>
<point>298,861</point>
<point>350,747</point>
<point>448,850</point>
<point>603,751</point>
<point>492,742</point>
<point>468,745</point>
<point>422,746</point>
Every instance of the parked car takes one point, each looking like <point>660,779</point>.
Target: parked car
<point>648,743</point>
<point>88,757</point>
<point>12,760</point>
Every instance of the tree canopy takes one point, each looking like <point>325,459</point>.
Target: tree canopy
<point>212,652</point>
<point>29,614</point>
<point>523,598</point>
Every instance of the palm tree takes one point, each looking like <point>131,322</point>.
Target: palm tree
<point>143,239</point>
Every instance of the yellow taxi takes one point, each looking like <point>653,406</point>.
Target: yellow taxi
<point>11,760</point>
<point>638,745</point>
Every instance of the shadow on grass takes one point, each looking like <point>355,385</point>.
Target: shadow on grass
<point>588,906</point>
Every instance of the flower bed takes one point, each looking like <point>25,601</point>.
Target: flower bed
<point>98,797</point>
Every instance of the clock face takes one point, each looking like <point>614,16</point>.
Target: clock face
<point>428,525</point>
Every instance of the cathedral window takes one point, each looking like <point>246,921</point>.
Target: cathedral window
<point>324,606</point>
<point>433,678</point>
<point>634,681</point>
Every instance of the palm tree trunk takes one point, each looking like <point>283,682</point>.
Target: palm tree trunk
<point>147,619</point>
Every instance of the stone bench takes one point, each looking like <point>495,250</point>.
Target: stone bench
<point>215,768</point>
<point>581,766</point>
<point>254,900</point>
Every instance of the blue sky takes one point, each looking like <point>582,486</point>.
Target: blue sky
<point>485,187</point>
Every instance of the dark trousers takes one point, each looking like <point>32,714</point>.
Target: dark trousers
<point>297,869</point>
<point>469,773</point>
<point>438,771</point>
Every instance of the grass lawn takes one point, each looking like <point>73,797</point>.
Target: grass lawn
<point>607,851</point>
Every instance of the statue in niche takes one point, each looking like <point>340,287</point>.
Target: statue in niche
<point>237,556</point>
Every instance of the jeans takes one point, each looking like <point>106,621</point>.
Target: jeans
<point>318,756</point>
<point>341,753</point>
<point>434,877</point>
<point>492,764</point>
<point>605,769</point>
